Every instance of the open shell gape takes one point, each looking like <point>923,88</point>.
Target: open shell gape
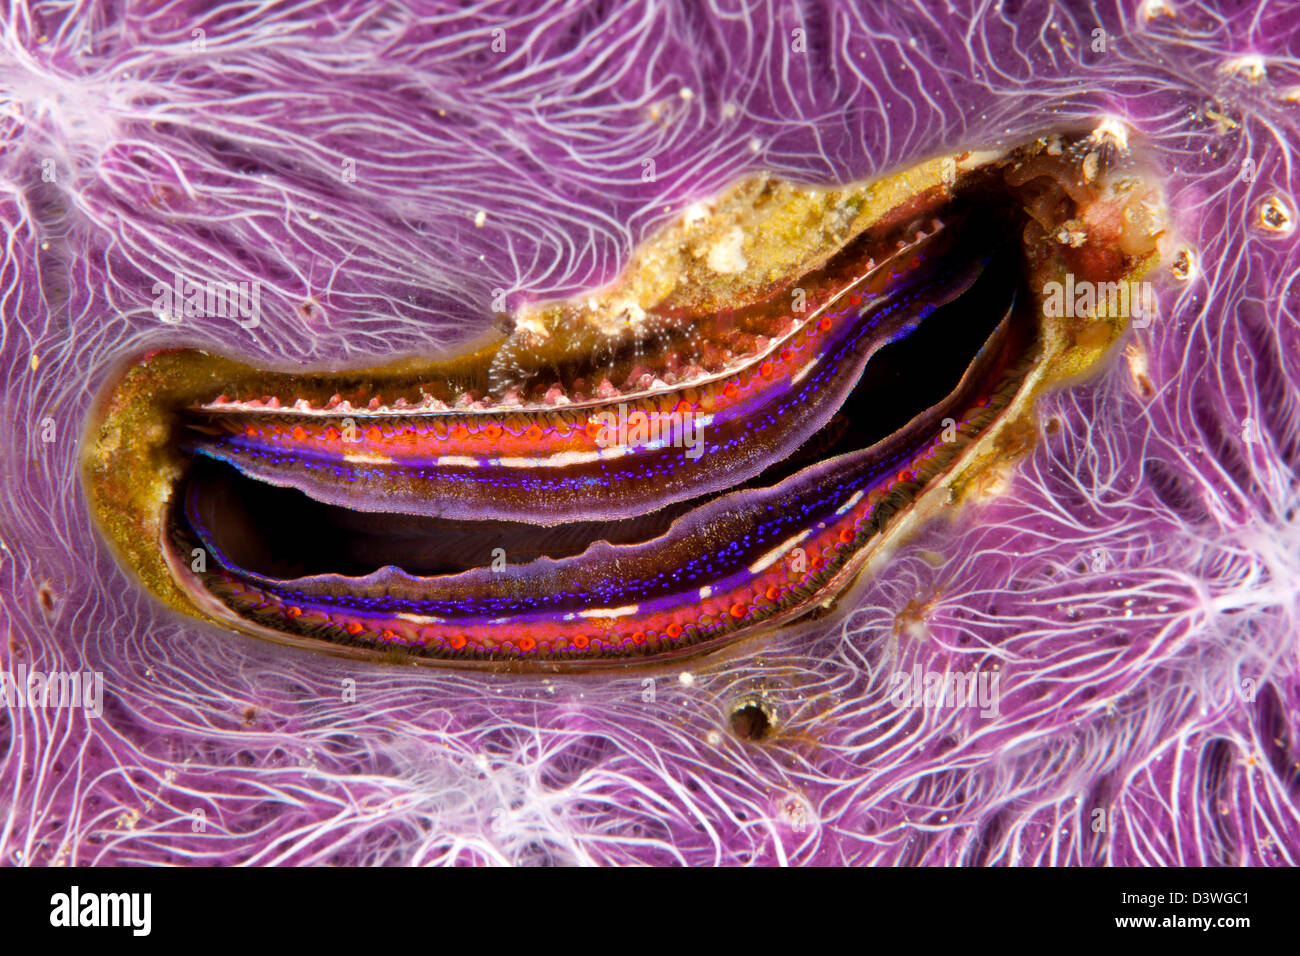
<point>627,434</point>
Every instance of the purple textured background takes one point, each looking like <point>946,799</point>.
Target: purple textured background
<point>1144,628</point>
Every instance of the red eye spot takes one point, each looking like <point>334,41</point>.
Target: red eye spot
<point>580,642</point>
<point>294,612</point>
<point>460,432</point>
<point>638,638</point>
<point>250,431</point>
<point>534,432</point>
<point>673,630</point>
<point>299,433</point>
<point>766,369</point>
<point>846,535</point>
<point>492,431</point>
<point>355,628</point>
<point>593,429</point>
<point>457,641</point>
<point>787,354</point>
<point>738,610</point>
<point>683,408</point>
<point>527,644</point>
<point>824,323</point>
<point>373,433</point>
<point>730,390</point>
<point>331,434</point>
<point>772,593</point>
<point>388,635</point>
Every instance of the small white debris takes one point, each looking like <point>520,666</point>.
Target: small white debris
<point>1148,10</point>
<point>726,255</point>
<point>1114,129</point>
<point>1249,67</point>
<point>1074,238</point>
<point>695,212</point>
